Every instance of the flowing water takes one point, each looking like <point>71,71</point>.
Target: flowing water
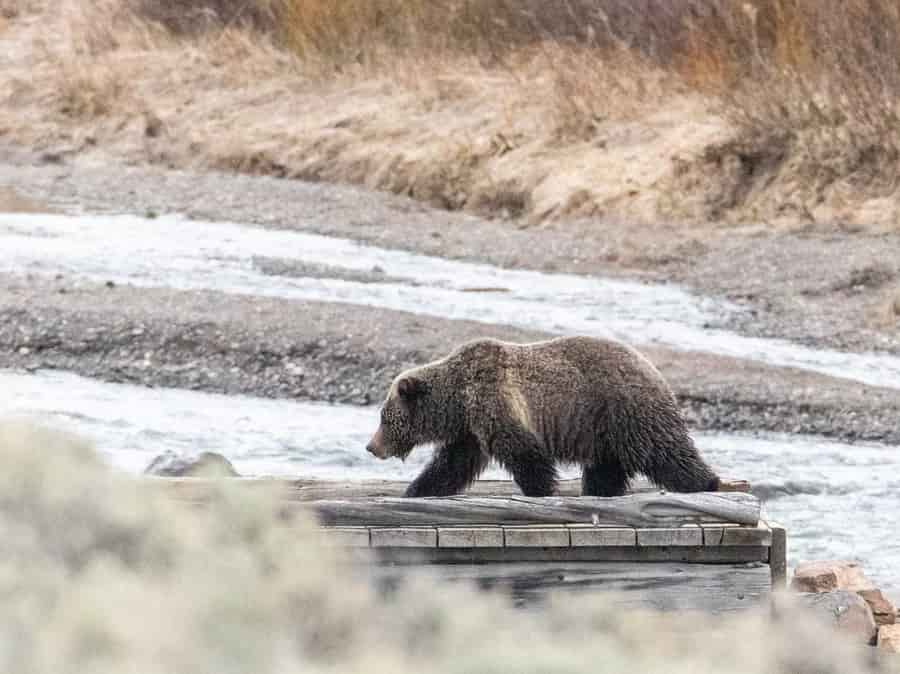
<point>836,500</point>
<point>186,254</point>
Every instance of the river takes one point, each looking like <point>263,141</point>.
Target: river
<point>836,500</point>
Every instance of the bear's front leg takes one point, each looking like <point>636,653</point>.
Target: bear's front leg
<point>521,454</point>
<point>604,478</point>
<point>452,469</point>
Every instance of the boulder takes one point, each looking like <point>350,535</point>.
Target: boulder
<point>846,611</point>
<point>844,575</point>
<point>830,575</point>
<point>889,638</point>
<point>204,464</point>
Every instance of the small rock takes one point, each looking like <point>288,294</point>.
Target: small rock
<point>110,284</point>
<point>24,351</point>
<point>830,575</point>
<point>205,464</point>
<point>889,638</point>
<point>846,611</point>
<point>884,611</point>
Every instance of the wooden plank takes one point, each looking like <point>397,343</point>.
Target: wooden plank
<point>584,535</point>
<point>778,556</point>
<point>316,490</point>
<point>712,588</point>
<point>536,537</point>
<point>349,537</point>
<point>470,537</point>
<point>725,534</point>
<point>404,537</point>
<point>637,510</point>
<point>631,554</point>
<point>758,535</point>
<point>713,533</point>
<point>681,536</point>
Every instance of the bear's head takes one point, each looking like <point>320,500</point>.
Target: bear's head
<point>404,421</point>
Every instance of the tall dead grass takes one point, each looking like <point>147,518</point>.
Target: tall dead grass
<point>814,89</point>
<point>643,110</point>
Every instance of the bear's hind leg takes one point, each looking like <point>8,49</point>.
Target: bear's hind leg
<point>519,452</point>
<point>451,470</point>
<point>681,469</point>
<point>604,478</point>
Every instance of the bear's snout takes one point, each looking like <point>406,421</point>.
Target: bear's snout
<point>376,445</point>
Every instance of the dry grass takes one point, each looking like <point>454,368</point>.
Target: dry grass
<point>643,110</point>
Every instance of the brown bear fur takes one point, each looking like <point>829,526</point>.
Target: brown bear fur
<point>580,400</point>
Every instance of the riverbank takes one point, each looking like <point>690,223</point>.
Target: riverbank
<point>695,114</point>
<point>833,289</point>
<point>269,347</point>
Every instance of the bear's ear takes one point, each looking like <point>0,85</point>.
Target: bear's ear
<point>411,387</point>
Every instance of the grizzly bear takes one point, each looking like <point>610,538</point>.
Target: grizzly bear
<point>580,400</point>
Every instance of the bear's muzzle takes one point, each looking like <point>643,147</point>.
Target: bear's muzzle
<point>376,446</point>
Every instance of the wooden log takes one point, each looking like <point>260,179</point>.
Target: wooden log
<point>317,490</point>
<point>713,588</point>
<point>637,510</point>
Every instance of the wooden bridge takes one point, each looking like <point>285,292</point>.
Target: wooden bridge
<point>708,551</point>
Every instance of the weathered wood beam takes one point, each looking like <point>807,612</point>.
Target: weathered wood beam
<point>636,510</point>
<point>411,556</point>
<point>315,490</point>
<point>713,588</point>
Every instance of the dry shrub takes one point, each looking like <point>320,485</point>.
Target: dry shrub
<point>375,31</point>
<point>86,93</point>
<point>192,17</point>
<point>815,87</point>
<point>589,90</point>
<point>100,573</point>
